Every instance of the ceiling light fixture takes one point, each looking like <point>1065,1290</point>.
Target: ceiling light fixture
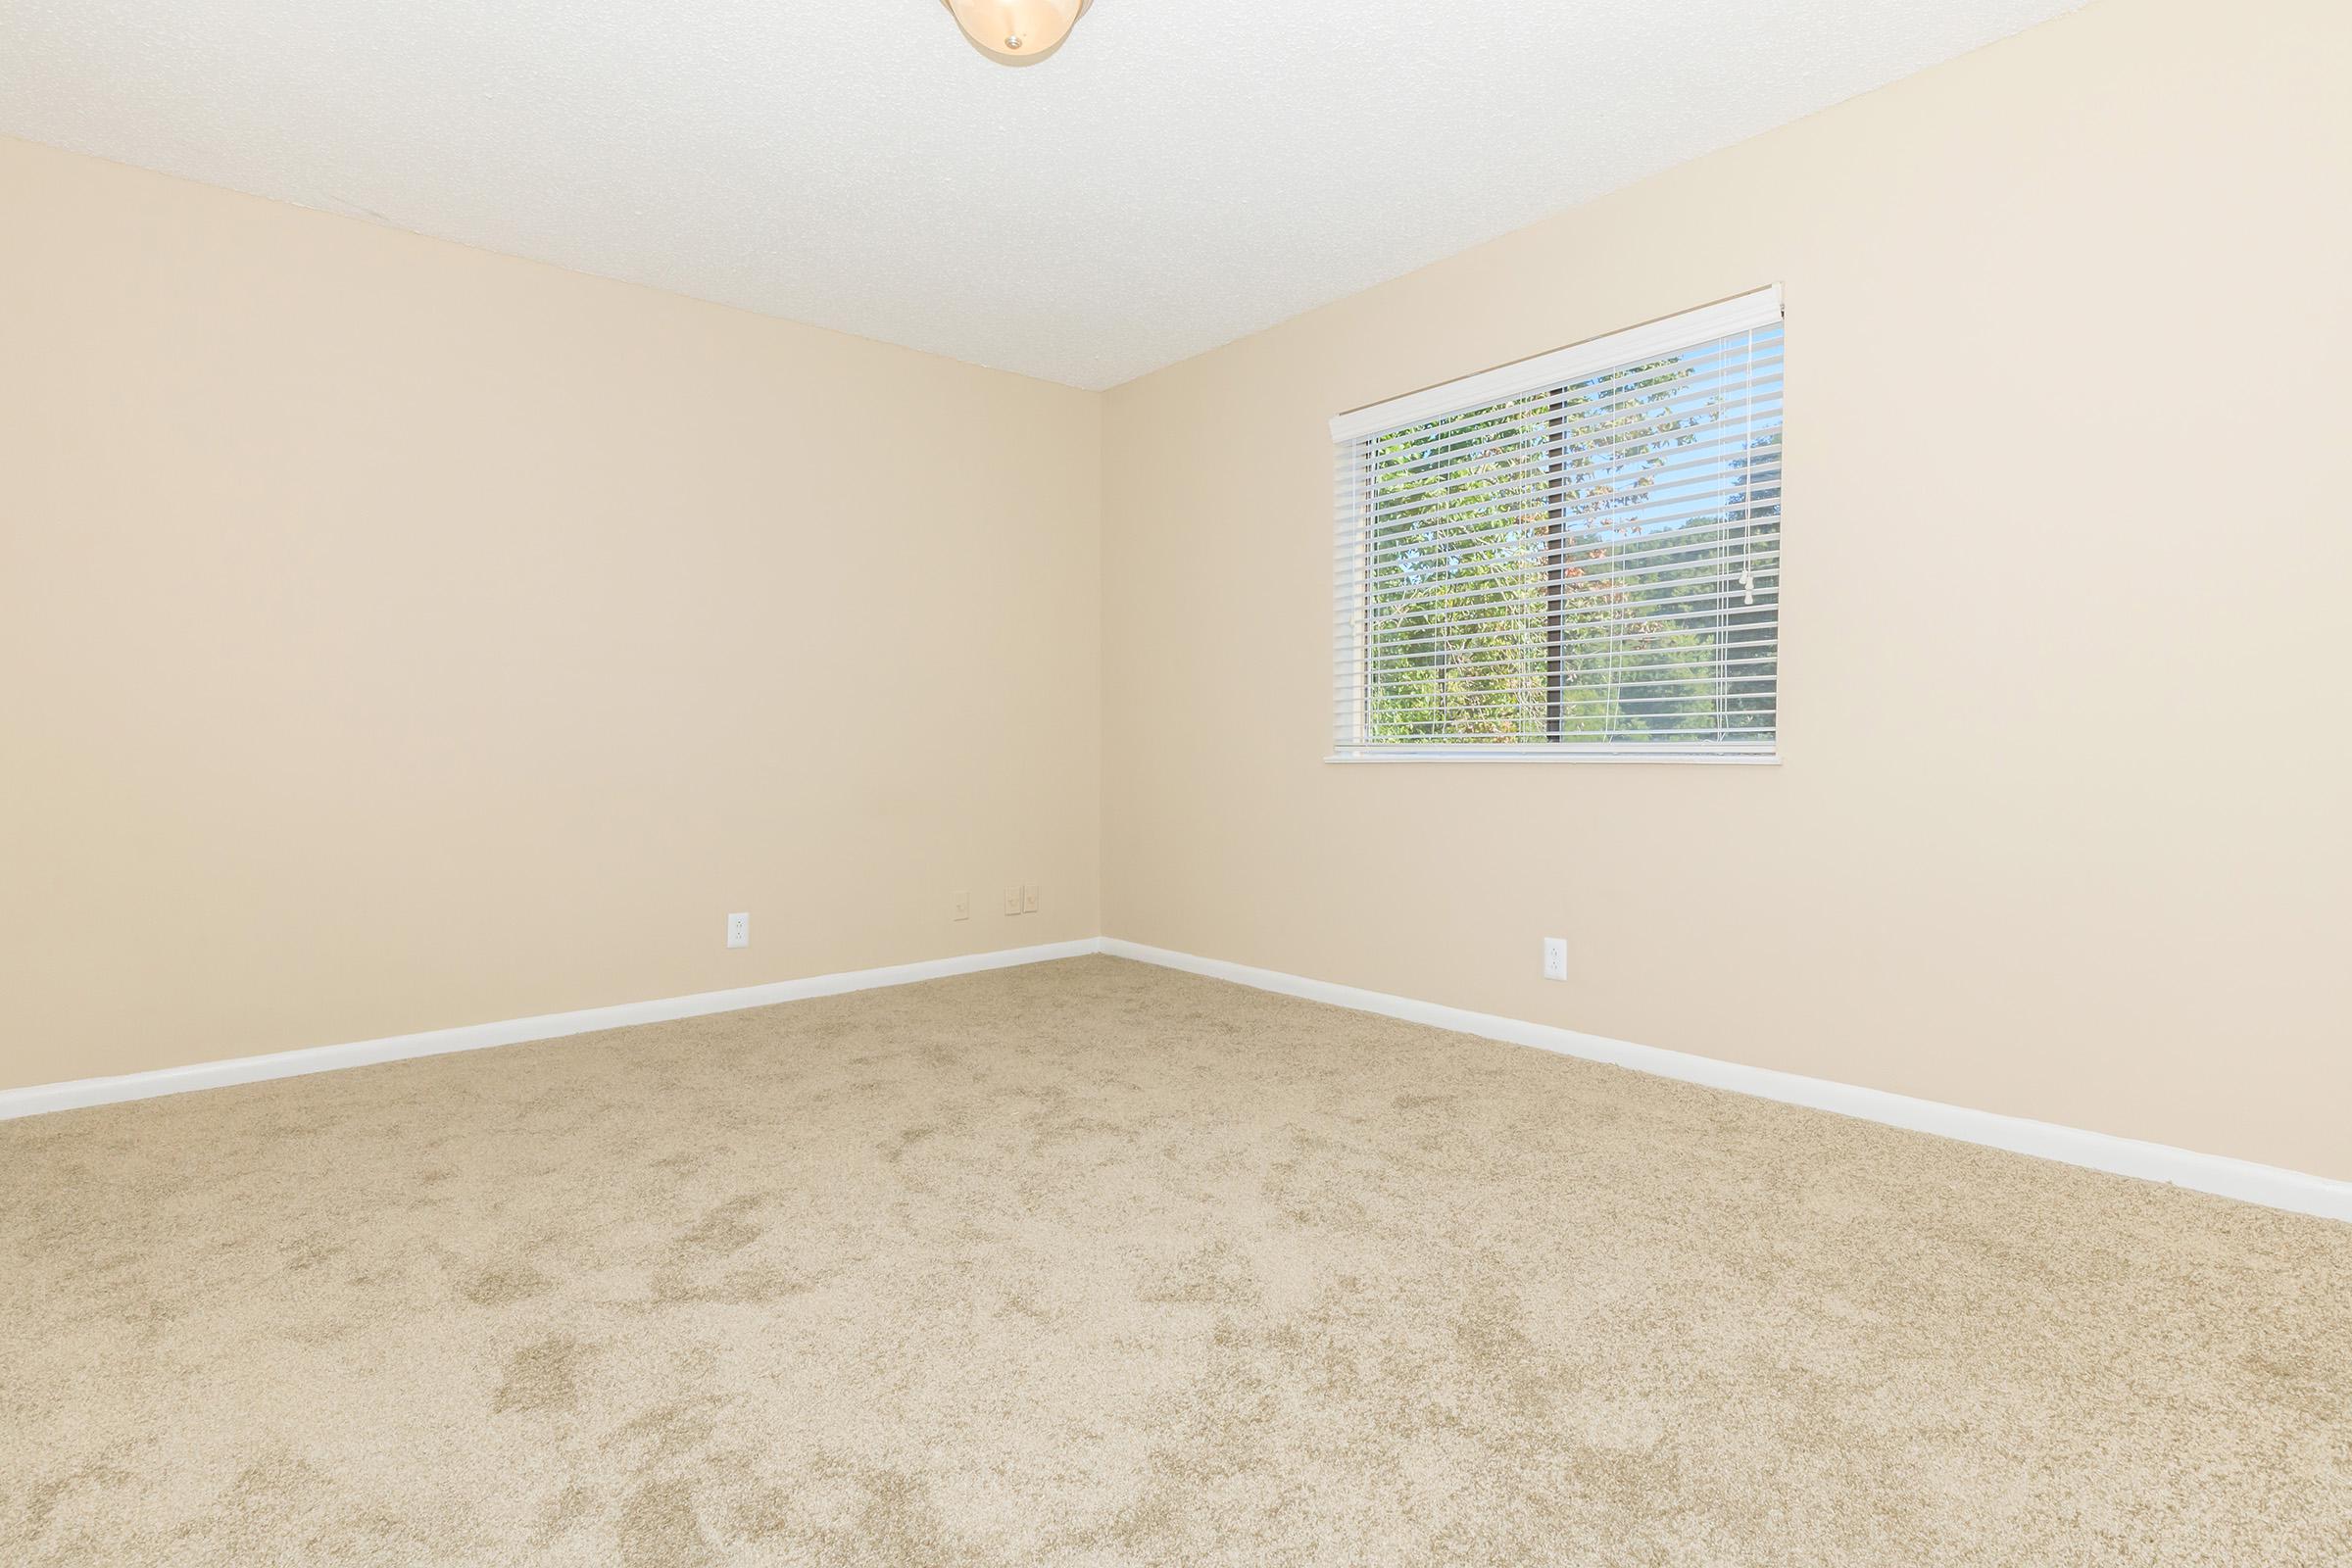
<point>1017,33</point>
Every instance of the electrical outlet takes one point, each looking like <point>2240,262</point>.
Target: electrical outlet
<point>1013,900</point>
<point>1028,897</point>
<point>739,930</point>
<point>959,906</point>
<point>1555,957</point>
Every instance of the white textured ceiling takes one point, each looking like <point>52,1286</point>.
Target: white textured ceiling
<point>1183,173</point>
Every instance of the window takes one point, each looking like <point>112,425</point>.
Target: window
<point>1577,555</point>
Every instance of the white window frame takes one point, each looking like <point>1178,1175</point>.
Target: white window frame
<point>1577,362</point>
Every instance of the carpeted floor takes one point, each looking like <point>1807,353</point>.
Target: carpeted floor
<point>1092,1262</point>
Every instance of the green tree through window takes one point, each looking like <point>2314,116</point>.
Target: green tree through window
<point>1593,565</point>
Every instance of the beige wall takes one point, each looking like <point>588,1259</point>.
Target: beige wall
<point>396,636</point>
<point>2062,825</point>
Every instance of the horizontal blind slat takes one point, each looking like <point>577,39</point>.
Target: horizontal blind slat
<point>1530,446</point>
<point>1604,599</point>
<point>1506,556</point>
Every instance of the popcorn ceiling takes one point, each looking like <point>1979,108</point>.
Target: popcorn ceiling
<point>1182,174</point>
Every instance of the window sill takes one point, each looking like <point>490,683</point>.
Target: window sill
<point>1557,754</point>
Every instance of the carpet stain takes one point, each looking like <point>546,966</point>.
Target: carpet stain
<point>746,1287</point>
<point>503,1287</point>
<point>658,1528</point>
<point>570,1508</point>
<point>722,1230</point>
<point>669,1433</point>
<point>544,1375</point>
<point>900,1524</point>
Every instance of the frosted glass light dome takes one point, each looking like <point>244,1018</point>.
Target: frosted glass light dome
<point>1018,32</point>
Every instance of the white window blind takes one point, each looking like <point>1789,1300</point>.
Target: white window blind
<point>1575,555</point>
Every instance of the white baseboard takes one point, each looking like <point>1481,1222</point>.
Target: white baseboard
<point>2267,1184</point>
<point>513,1031</point>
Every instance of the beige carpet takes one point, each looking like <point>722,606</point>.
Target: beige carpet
<point>1096,1263</point>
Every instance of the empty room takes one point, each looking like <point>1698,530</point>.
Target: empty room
<point>940,783</point>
